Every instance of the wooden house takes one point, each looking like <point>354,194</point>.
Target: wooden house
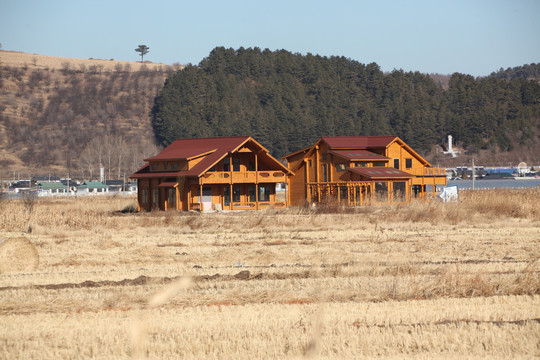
<point>358,170</point>
<point>228,173</point>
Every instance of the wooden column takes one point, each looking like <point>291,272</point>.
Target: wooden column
<point>231,196</point>
<point>200,198</point>
<point>256,182</point>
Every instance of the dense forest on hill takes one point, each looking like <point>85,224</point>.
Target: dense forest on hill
<point>528,71</point>
<point>287,101</point>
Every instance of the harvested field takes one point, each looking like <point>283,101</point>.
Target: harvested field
<point>417,280</point>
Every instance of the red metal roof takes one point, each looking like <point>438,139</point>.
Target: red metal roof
<point>180,153</point>
<point>214,149</point>
<point>359,155</point>
<point>380,172</point>
<point>358,142</point>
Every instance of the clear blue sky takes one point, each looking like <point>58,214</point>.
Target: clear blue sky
<point>473,37</point>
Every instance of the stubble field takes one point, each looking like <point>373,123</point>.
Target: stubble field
<point>417,280</point>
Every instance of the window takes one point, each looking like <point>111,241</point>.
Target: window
<point>236,194</point>
<point>227,196</point>
<point>343,192</point>
<point>174,166</point>
<point>164,166</point>
<point>378,163</point>
<point>251,165</point>
<point>236,164</point>
<point>361,164</point>
<point>252,193</point>
<point>324,173</point>
<point>381,189</point>
<point>154,167</point>
<point>408,163</point>
<point>340,167</point>
<point>264,193</point>
<point>145,196</point>
<point>155,197</point>
<point>227,164</point>
<point>396,163</point>
<point>309,163</point>
<point>324,156</point>
<point>399,190</point>
<point>172,196</point>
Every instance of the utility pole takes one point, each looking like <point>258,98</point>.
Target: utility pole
<point>473,173</point>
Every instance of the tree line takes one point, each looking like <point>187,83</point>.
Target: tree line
<point>287,101</point>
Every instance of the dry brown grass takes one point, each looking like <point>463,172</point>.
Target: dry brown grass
<point>417,280</point>
<point>19,59</point>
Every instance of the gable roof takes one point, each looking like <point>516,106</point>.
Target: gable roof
<point>359,155</point>
<point>358,142</point>
<point>380,172</point>
<point>336,143</point>
<point>92,184</point>
<point>50,185</point>
<point>213,149</point>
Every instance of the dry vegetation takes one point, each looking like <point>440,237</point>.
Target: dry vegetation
<point>422,280</point>
<point>51,108</point>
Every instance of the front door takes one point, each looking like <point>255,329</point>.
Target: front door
<point>207,198</point>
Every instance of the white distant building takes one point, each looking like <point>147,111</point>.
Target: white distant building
<point>451,151</point>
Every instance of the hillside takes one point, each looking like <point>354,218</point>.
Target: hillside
<point>62,114</point>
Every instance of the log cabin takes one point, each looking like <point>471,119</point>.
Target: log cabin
<point>227,173</point>
<point>359,170</point>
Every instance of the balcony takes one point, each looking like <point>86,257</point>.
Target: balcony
<point>429,171</point>
<point>237,177</point>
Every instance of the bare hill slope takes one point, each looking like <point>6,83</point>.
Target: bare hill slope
<point>62,114</point>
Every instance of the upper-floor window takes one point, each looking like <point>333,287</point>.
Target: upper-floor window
<point>174,166</point>
<point>309,163</point>
<point>361,164</point>
<point>227,164</point>
<point>340,167</point>
<point>324,156</point>
<point>164,166</point>
<point>396,163</point>
<point>236,164</point>
<point>378,163</point>
<point>154,167</point>
<point>251,165</point>
<point>408,163</point>
<point>324,173</point>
